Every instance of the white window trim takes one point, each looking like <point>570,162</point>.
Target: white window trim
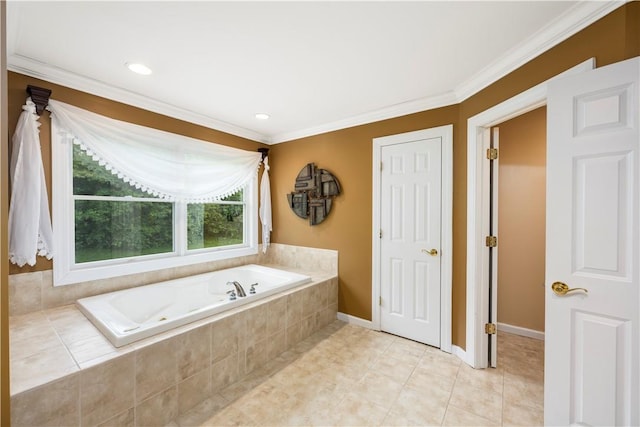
<point>66,272</point>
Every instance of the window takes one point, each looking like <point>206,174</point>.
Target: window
<point>105,227</point>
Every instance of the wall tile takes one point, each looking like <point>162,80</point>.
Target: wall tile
<point>193,351</point>
<point>25,293</point>
<point>123,419</point>
<point>194,390</point>
<point>59,295</point>
<point>276,345</point>
<point>276,315</point>
<point>224,373</point>
<point>226,336</point>
<point>333,291</point>
<point>107,390</point>
<point>156,368</point>
<point>158,410</point>
<point>294,308</point>
<point>255,356</point>
<point>54,404</point>
<point>256,324</point>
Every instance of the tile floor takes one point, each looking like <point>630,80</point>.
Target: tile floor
<point>347,375</point>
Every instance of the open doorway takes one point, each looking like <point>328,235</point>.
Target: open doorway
<point>521,201</point>
<point>478,321</point>
<point>519,189</point>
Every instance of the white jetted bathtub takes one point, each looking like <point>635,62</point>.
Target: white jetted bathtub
<point>133,314</point>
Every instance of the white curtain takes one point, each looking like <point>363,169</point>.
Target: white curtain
<point>29,220</point>
<point>170,166</point>
<point>265,206</point>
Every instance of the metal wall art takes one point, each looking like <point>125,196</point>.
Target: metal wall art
<point>314,192</point>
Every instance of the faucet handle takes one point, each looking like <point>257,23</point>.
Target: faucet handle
<point>232,294</point>
<point>252,290</point>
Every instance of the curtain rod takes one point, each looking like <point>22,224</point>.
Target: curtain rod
<point>264,152</point>
<point>39,96</point>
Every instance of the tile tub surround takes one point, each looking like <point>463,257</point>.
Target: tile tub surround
<point>31,292</point>
<point>64,372</point>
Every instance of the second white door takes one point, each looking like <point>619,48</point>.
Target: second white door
<point>410,254</point>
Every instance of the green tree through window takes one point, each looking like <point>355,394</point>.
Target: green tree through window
<point>115,220</point>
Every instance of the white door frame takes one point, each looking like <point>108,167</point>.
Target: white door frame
<point>446,259</point>
<point>477,212</point>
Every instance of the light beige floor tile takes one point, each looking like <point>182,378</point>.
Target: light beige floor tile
<point>401,420</point>
<point>347,375</point>
<point>354,411</point>
<point>230,416</point>
<point>422,379</point>
<point>440,363</point>
<point>479,401</point>
<point>378,388</point>
<point>460,417</point>
<point>424,405</point>
<point>393,368</point>
<point>521,391</point>
<point>490,378</point>
<point>520,415</point>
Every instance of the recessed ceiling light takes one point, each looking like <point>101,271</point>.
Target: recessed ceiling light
<point>138,68</point>
<point>262,116</point>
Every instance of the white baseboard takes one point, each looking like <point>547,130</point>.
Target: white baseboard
<point>517,330</point>
<point>353,320</point>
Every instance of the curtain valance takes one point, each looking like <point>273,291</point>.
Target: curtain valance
<point>170,166</point>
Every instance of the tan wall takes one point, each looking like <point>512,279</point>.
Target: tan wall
<point>348,154</point>
<point>17,96</point>
<point>521,220</point>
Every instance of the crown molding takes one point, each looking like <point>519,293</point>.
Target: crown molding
<point>569,23</point>
<point>558,30</point>
<point>391,112</point>
<point>39,70</point>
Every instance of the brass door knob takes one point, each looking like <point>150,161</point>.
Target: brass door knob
<point>561,289</point>
<point>432,252</point>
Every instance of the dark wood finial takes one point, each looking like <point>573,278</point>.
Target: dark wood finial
<point>39,96</point>
<point>264,151</point>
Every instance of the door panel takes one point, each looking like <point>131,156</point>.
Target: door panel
<point>592,363</point>
<point>410,222</point>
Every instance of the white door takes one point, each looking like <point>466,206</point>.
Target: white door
<point>410,239</point>
<point>592,335</point>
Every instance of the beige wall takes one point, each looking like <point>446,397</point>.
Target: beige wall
<point>348,154</point>
<point>521,220</point>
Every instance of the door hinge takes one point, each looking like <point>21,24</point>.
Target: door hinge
<point>490,328</point>
<point>380,234</point>
<point>380,301</point>
<point>491,241</point>
<point>492,153</point>
<point>380,166</point>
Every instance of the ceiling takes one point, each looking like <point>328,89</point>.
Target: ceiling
<point>312,66</point>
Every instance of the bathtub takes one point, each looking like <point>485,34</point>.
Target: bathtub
<point>133,314</point>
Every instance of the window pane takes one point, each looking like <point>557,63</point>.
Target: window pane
<point>212,225</point>
<point>110,229</point>
<point>91,179</point>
